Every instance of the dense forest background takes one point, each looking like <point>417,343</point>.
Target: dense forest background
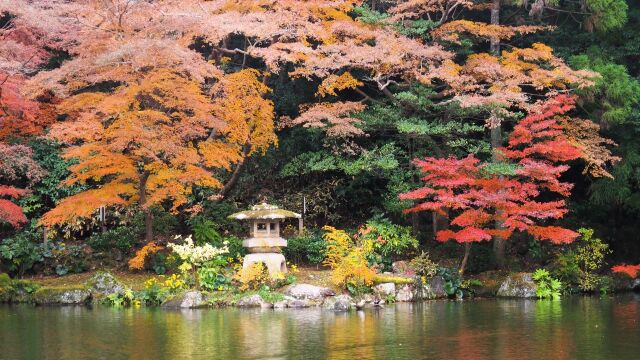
<point>347,180</point>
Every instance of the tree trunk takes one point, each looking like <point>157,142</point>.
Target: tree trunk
<point>467,251</point>
<point>496,138</point>
<point>148,216</point>
<point>499,243</point>
<point>226,189</point>
<point>495,20</point>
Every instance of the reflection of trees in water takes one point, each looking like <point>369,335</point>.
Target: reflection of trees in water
<point>576,327</point>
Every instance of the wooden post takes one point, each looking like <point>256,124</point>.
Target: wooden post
<point>300,226</point>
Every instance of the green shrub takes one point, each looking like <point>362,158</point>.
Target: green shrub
<point>309,247</point>
<point>123,238</point>
<point>389,241</point>
<point>452,282</point>
<point>579,265</point>
<point>547,287</point>
<point>211,275</point>
<point>234,244</point>
<point>423,265</point>
<point>20,253</point>
<point>205,232</point>
<point>68,259</point>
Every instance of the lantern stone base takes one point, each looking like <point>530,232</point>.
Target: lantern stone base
<point>273,261</point>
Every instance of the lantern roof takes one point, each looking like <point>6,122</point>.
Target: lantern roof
<point>264,211</point>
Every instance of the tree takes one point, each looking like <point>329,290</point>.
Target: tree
<point>141,144</point>
<point>16,167</point>
<point>513,192</point>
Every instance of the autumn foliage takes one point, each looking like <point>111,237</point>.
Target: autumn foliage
<point>480,195</point>
<point>630,270</point>
<point>16,167</point>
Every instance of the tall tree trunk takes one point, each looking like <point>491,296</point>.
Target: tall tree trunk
<point>499,243</point>
<point>496,137</point>
<point>495,20</point>
<point>226,189</point>
<point>148,216</point>
<point>467,251</point>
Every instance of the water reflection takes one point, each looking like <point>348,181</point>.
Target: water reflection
<point>586,328</point>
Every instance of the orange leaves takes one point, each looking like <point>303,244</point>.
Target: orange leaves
<point>84,204</point>
<point>159,137</point>
<point>450,31</point>
<point>240,101</point>
<point>333,82</point>
<point>137,262</point>
<point>630,270</point>
<point>485,79</point>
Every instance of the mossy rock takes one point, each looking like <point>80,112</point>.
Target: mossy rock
<point>491,281</point>
<point>104,284</point>
<point>518,285</point>
<point>62,295</point>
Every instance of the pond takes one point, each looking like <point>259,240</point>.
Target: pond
<point>575,327</point>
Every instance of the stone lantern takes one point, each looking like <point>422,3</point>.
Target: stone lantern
<point>264,243</point>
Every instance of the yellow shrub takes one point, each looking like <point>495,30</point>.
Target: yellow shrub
<point>347,261</point>
<point>252,277</point>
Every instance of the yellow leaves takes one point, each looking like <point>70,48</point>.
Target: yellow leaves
<point>347,261</point>
<point>333,82</point>
<point>219,154</point>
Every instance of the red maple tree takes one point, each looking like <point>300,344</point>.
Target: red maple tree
<point>486,200</point>
<point>16,166</point>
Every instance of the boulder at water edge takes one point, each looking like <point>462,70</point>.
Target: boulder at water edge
<point>186,300</point>
<point>72,295</point>
<point>405,293</point>
<point>308,292</point>
<point>518,285</point>
<point>253,301</point>
<point>338,303</point>
<point>105,284</point>
<point>385,290</point>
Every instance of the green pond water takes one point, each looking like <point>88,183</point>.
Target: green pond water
<point>573,328</point>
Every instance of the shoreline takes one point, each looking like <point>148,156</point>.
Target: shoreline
<point>104,288</point>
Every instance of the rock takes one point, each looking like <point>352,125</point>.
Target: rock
<point>401,267</point>
<point>405,293</point>
<point>280,304</point>
<point>105,284</point>
<point>62,295</point>
<point>253,301</point>
<point>307,291</point>
<point>433,289</point>
<point>368,298</point>
<point>338,303</point>
<point>385,290</point>
<point>518,285</point>
<point>299,303</point>
<point>188,300</point>
<point>491,281</point>
<point>635,285</point>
